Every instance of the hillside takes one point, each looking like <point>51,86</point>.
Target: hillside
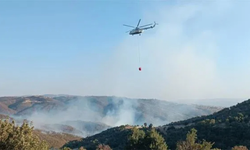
<point>54,139</point>
<point>115,137</point>
<point>227,128</point>
<point>89,115</point>
<point>104,108</point>
<point>25,105</point>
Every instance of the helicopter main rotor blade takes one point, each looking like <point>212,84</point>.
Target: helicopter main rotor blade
<point>138,22</point>
<point>146,25</point>
<point>128,26</point>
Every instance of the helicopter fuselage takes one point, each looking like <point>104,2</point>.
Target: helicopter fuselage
<point>135,31</point>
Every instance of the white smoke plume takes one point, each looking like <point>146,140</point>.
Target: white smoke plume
<point>86,116</point>
<point>180,58</point>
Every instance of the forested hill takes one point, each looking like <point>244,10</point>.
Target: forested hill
<point>226,128</point>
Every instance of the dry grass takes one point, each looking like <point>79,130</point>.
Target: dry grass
<point>54,139</point>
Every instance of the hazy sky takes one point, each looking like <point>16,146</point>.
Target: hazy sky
<point>200,49</point>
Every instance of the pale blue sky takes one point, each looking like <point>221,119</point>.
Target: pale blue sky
<point>41,41</point>
<point>198,50</point>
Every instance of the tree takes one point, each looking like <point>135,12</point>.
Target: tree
<point>135,140</point>
<point>17,138</point>
<point>190,144</point>
<point>151,140</point>
<point>155,141</point>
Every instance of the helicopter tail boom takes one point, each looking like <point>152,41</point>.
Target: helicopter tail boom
<point>150,26</point>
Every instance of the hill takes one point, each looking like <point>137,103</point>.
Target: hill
<point>115,137</point>
<point>88,115</point>
<point>55,139</point>
<point>106,108</point>
<point>227,128</point>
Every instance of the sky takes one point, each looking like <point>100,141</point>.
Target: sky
<point>199,49</point>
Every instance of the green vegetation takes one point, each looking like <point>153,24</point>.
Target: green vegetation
<point>147,140</point>
<point>13,137</point>
<point>227,128</point>
<point>22,137</point>
<point>115,137</point>
<point>190,143</point>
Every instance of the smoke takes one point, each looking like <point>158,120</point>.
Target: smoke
<point>182,58</point>
<point>120,114</point>
<point>85,116</point>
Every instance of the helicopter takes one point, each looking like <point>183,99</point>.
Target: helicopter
<point>139,29</point>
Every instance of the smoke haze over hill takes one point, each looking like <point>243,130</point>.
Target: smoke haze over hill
<point>88,115</point>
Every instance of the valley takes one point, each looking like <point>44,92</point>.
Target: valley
<point>70,118</point>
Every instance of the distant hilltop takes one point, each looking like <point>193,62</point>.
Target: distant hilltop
<point>142,110</point>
